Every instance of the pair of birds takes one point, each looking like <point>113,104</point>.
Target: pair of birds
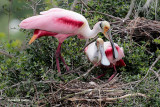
<point>61,23</point>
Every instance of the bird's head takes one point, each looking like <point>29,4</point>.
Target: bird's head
<point>105,26</point>
<point>100,47</point>
<point>99,43</point>
<point>106,30</point>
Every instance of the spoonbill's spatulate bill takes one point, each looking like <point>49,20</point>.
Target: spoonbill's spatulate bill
<point>94,54</point>
<point>61,23</point>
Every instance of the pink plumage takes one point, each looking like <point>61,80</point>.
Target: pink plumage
<point>61,23</point>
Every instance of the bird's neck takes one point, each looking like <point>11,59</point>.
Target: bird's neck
<point>92,33</point>
<point>93,53</point>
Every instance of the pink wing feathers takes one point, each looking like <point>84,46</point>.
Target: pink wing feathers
<point>55,20</point>
<point>109,54</point>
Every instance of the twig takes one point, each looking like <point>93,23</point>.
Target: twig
<point>82,92</point>
<point>157,75</point>
<point>77,69</point>
<point>9,17</point>
<point>86,5</point>
<point>26,82</point>
<point>130,10</point>
<point>108,83</point>
<point>148,70</point>
<point>84,75</point>
<point>6,54</point>
<point>74,4</point>
<point>108,15</point>
<point>144,49</point>
<point>108,99</point>
<point>34,6</point>
<point>156,9</point>
<point>146,5</point>
<point>54,6</point>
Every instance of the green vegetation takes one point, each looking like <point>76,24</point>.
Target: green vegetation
<point>32,64</point>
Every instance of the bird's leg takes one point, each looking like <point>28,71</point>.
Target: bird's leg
<point>101,75</point>
<point>57,56</point>
<point>63,61</point>
<point>113,75</point>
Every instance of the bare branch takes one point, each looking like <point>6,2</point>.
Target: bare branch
<point>146,5</point>
<point>108,15</point>
<point>107,99</point>
<point>74,4</point>
<point>34,5</point>
<point>6,54</point>
<point>157,59</point>
<point>54,6</point>
<point>156,74</point>
<point>156,9</point>
<point>130,10</point>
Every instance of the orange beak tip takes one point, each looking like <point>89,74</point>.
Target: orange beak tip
<point>34,37</point>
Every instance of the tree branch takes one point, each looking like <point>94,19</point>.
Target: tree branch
<point>6,54</point>
<point>108,15</point>
<point>74,4</point>
<point>130,10</point>
<point>157,59</point>
<point>146,5</point>
<point>156,74</point>
<point>107,99</point>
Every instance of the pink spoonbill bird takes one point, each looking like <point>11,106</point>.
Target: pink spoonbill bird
<point>94,54</point>
<point>61,23</point>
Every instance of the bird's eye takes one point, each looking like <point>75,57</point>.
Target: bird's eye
<point>101,25</point>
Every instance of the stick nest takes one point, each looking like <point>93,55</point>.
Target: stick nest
<point>143,28</point>
<point>93,93</point>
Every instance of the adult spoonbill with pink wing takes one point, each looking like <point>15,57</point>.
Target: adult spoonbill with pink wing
<point>61,23</point>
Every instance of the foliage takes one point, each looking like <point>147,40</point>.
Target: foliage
<point>37,61</point>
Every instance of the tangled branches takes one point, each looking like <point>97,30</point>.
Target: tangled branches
<point>76,92</point>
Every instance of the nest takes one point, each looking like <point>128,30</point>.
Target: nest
<point>93,93</point>
<point>137,30</point>
<point>141,28</point>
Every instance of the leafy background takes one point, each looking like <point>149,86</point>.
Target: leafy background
<point>36,62</point>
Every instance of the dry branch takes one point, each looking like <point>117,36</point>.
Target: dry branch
<point>157,59</point>
<point>74,4</point>
<point>6,54</point>
<point>146,5</point>
<point>108,15</point>
<point>156,74</point>
<point>130,10</point>
<point>107,99</point>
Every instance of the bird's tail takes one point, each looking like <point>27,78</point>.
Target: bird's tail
<point>30,23</point>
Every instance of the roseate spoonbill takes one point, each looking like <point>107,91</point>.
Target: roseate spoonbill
<point>93,52</point>
<point>61,23</point>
